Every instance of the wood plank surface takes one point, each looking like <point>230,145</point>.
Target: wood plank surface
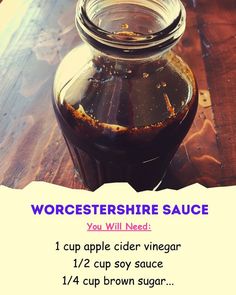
<point>208,154</point>
<point>33,44</point>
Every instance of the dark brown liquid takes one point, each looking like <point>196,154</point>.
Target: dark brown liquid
<point>125,121</point>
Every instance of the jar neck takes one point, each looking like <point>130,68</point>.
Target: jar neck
<point>131,28</point>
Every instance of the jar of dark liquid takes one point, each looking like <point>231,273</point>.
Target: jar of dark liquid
<point>123,99</point>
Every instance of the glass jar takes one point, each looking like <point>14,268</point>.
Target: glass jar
<point>124,100</point>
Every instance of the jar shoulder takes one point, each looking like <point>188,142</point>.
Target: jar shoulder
<point>124,92</point>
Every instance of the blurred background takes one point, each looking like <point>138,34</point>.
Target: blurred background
<point>36,35</point>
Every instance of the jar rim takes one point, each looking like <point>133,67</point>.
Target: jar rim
<point>158,41</point>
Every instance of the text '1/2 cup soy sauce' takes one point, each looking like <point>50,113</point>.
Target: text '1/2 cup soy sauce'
<point>124,100</point>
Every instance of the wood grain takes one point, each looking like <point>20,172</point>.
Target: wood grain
<point>31,145</point>
<point>212,35</point>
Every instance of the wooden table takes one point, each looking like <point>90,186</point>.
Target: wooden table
<point>37,34</point>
